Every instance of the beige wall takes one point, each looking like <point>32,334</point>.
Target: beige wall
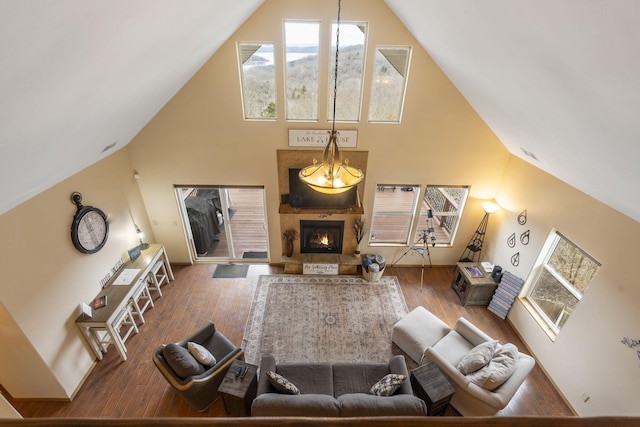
<point>200,137</point>
<point>587,355</point>
<point>45,278</point>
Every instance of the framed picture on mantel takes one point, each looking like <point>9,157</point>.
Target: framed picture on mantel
<point>318,138</point>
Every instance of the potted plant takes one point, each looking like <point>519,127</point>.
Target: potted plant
<point>358,227</point>
<point>289,236</point>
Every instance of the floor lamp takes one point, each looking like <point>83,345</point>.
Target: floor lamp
<point>474,248</point>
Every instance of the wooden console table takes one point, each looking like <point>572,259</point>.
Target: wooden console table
<point>118,297</point>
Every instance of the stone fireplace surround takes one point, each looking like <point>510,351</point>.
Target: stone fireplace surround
<point>290,217</point>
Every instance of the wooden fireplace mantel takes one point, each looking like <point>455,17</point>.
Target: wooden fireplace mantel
<point>288,209</point>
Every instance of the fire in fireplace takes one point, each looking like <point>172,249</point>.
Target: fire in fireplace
<point>321,237</point>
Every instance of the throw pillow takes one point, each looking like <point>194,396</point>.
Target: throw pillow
<point>201,354</point>
<point>499,369</point>
<point>181,361</point>
<point>388,385</point>
<point>478,357</point>
<point>282,384</point>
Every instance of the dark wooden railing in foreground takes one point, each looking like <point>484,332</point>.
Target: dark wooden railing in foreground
<point>304,422</point>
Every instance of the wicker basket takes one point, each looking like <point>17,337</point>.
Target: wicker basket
<point>371,276</point>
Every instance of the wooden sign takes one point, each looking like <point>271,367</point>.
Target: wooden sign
<point>318,138</point>
<point>319,268</point>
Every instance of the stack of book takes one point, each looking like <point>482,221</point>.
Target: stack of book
<point>505,295</point>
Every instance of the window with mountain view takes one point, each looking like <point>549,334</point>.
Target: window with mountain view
<point>302,41</point>
<point>563,274</point>
<point>258,80</point>
<point>388,84</point>
<point>350,70</point>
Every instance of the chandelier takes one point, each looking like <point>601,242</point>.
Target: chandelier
<point>333,175</point>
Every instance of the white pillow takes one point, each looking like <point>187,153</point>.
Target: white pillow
<point>478,357</point>
<point>201,354</point>
<point>499,369</point>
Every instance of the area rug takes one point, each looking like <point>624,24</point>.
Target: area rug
<point>309,318</point>
<point>230,271</point>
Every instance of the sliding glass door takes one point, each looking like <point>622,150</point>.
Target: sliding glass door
<point>225,223</point>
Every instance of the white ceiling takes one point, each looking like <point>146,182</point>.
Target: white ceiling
<point>557,78</point>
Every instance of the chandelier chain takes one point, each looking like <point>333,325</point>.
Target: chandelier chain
<point>335,76</point>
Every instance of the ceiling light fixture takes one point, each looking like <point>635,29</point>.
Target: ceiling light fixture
<point>332,176</point>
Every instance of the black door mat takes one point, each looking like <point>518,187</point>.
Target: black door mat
<point>250,254</point>
<point>230,271</point>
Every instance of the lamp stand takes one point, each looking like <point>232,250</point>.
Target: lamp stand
<point>474,248</point>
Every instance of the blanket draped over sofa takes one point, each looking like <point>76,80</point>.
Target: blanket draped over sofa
<point>333,390</point>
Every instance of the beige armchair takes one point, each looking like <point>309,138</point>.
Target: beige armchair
<point>469,398</point>
<point>201,390</point>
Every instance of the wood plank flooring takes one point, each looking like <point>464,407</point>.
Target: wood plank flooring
<point>136,389</point>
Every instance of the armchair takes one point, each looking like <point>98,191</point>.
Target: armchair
<point>469,398</point>
<point>201,390</point>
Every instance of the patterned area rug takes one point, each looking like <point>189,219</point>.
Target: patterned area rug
<point>307,318</point>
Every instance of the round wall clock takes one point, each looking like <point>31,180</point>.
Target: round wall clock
<point>89,229</point>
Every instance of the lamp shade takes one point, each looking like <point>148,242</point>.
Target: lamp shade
<point>490,207</point>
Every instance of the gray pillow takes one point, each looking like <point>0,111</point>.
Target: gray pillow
<point>478,357</point>
<point>499,369</point>
<point>181,361</point>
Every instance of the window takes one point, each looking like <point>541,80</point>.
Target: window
<point>388,84</point>
<point>302,40</point>
<point>258,80</point>
<point>350,68</point>
<point>394,208</point>
<point>446,204</point>
<point>564,274</point>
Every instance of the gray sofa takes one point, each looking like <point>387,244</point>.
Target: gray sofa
<point>334,390</point>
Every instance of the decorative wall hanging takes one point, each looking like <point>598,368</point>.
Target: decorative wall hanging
<point>515,259</point>
<point>511,241</point>
<point>524,237</point>
<point>522,218</point>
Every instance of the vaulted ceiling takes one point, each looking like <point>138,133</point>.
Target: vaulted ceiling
<point>558,81</point>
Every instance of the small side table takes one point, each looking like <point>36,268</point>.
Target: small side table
<point>432,386</point>
<point>473,290</point>
<point>238,392</point>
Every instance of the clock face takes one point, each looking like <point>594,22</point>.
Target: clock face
<point>89,230</point>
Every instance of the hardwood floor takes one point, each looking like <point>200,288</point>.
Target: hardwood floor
<point>135,388</point>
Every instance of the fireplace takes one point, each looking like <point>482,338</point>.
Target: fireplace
<point>321,237</point>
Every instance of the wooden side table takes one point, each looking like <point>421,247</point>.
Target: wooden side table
<point>432,386</point>
<point>239,392</point>
<point>470,289</point>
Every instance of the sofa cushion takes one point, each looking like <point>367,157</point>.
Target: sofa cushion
<point>282,384</point>
<point>300,405</point>
<point>310,378</point>
<point>362,405</point>
<point>181,361</point>
<point>499,369</point>
<point>357,377</point>
<point>388,385</point>
<point>478,357</point>
<point>201,354</point>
